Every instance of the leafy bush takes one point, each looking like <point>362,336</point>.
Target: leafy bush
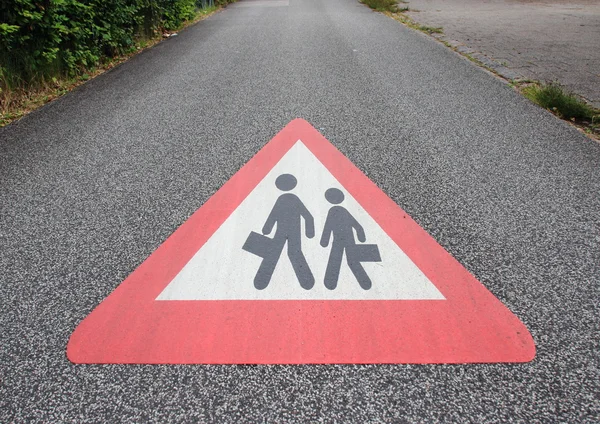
<point>44,38</point>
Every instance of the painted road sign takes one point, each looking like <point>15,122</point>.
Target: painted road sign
<point>300,258</point>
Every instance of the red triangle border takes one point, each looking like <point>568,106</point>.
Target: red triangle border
<point>470,326</point>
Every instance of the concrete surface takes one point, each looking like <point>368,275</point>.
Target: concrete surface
<point>546,40</point>
<point>93,183</point>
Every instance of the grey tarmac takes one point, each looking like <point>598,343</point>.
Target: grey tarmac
<point>93,183</point>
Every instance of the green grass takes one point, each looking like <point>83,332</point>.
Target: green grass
<point>383,5</point>
<point>430,30</point>
<point>406,20</point>
<point>391,8</point>
<point>566,105</point>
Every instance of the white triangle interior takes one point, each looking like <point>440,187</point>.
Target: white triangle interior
<point>221,270</point>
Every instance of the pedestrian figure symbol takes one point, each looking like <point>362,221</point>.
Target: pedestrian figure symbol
<point>339,226</point>
<point>287,214</point>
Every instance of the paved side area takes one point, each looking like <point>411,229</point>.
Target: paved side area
<point>546,40</point>
<point>93,183</point>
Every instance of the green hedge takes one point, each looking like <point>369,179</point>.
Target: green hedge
<point>41,38</point>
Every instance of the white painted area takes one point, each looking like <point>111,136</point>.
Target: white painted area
<point>222,270</point>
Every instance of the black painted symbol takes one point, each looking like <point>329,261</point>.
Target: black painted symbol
<point>340,224</point>
<point>287,214</point>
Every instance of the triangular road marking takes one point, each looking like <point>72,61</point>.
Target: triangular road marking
<point>300,258</point>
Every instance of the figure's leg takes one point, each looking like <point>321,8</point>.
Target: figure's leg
<point>358,271</point>
<point>301,268</point>
<point>332,273</point>
<point>267,266</point>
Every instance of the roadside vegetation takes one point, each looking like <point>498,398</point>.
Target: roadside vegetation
<point>566,105</point>
<point>406,20</point>
<point>48,47</point>
<point>563,104</point>
<point>393,10</point>
<point>385,5</point>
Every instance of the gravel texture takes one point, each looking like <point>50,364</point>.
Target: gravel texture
<point>92,183</point>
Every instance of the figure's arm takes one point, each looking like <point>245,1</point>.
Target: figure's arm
<point>309,222</point>
<point>268,227</point>
<point>326,232</point>
<point>360,232</point>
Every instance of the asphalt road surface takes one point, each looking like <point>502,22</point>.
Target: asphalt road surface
<point>91,184</point>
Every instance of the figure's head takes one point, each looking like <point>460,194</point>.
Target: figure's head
<point>286,182</point>
<point>335,196</point>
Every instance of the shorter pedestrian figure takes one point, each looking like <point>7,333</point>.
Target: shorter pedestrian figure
<point>286,216</point>
<point>340,225</point>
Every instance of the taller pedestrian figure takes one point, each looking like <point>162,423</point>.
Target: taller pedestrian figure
<point>287,215</point>
<point>340,225</point>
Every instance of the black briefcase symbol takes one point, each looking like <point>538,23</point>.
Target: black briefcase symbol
<point>259,245</point>
<point>364,252</point>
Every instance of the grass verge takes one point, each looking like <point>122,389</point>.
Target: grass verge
<point>401,17</point>
<point>385,5</point>
<point>19,101</point>
<point>563,104</point>
<point>553,97</point>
